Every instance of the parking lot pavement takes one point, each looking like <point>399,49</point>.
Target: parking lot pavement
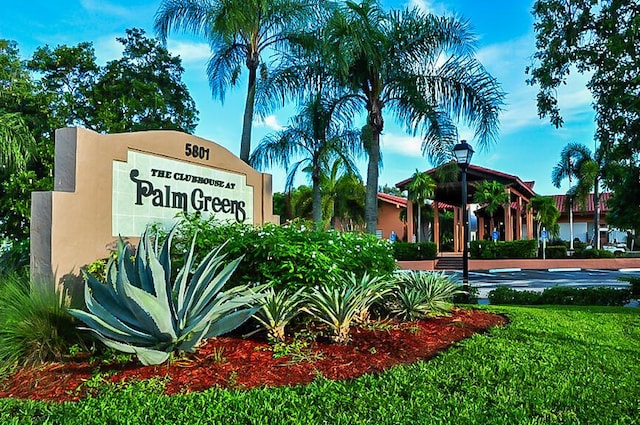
<point>538,280</point>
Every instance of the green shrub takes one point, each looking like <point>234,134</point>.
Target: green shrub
<point>34,324</point>
<point>508,296</point>
<point>503,249</point>
<point>139,311</point>
<point>635,285</point>
<point>593,253</point>
<point>292,256</point>
<point>422,294</point>
<point>338,306</point>
<point>561,295</point>
<point>277,309</point>
<point>556,251</point>
<point>405,251</point>
<point>14,258</point>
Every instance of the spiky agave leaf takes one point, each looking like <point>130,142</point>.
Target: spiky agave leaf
<point>139,311</point>
<point>277,309</point>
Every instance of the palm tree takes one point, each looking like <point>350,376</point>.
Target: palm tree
<point>316,136</point>
<point>340,193</point>
<point>565,169</point>
<point>239,32</point>
<point>546,214</point>
<point>16,140</point>
<point>587,168</point>
<point>420,66</point>
<point>421,188</point>
<point>493,195</point>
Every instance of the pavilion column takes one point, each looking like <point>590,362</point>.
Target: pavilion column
<point>519,219</point>
<point>480,228</point>
<point>529,223</point>
<point>409,221</point>
<point>456,229</point>
<point>508,219</point>
<point>436,225</point>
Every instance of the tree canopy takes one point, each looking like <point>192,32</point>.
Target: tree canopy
<point>599,38</point>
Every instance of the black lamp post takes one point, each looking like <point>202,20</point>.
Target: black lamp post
<point>463,153</point>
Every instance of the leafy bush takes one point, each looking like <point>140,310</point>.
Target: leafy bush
<point>593,253</point>
<point>293,255</point>
<point>405,251</point>
<point>556,251</point>
<point>635,285</point>
<point>14,258</point>
<point>560,295</point>
<point>422,294</point>
<point>503,249</point>
<point>34,324</point>
<point>139,311</point>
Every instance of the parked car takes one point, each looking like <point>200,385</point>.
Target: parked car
<point>617,249</point>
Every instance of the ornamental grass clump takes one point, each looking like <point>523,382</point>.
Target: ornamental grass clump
<point>419,294</point>
<point>339,305</point>
<point>277,309</point>
<point>139,311</point>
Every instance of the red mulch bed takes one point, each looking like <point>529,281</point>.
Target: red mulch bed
<point>248,363</point>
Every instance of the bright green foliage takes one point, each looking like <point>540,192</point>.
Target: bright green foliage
<point>139,311</point>
<point>492,195</point>
<point>551,365</point>
<point>34,324</point>
<point>278,308</point>
<point>420,294</point>
<point>414,251</point>
<point>559,295</point>
<point>292,255</point>
<point>350,299</point>
<point>526,248</point>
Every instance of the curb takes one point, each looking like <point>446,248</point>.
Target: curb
<point>629,270</point>
<point>514,269</point>
<point>565,269</point>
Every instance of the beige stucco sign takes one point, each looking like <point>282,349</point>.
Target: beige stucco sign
<point>107,186</point>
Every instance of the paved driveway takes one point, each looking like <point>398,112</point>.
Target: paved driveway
<point>537,280</point>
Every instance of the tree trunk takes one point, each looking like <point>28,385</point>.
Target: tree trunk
<point>419,223</point>
<point>317,200</point>
<point>596,218</point>
<point>371,199</point>
<point>245,142</point>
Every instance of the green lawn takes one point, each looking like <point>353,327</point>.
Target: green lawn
<point>551,365</point>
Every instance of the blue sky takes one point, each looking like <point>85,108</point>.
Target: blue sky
<point>527,146</point>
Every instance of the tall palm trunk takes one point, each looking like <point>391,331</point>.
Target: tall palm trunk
<point>371,198</point>
<point>317,199</point>
<point>596,214</point>
<point>245,142</point>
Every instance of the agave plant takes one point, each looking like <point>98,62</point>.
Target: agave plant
<point>139,311</point>
<point>277,309</point>
<point>419,294</point>
<point>339,306</point>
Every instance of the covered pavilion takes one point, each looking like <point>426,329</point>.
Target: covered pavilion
<point>517,219</point>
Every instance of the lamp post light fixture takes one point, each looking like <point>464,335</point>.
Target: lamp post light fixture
<point>463,153</point>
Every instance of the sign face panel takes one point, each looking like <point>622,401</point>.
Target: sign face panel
<point>149,188</point>
<point>495,235</point>
<point>111,185</point>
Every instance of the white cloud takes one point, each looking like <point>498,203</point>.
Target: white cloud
<point>270,121</point>
<point>108,48</point>
<point>428,6</point>
<point>189,51</point>
<point>401,144</point>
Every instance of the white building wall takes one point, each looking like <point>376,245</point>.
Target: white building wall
<point>579,231</point>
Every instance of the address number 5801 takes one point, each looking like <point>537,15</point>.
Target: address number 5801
<point>196,151</point>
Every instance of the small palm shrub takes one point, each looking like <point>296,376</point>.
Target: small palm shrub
<point>277,309</point>
<point>338,305</point>
<point>34,324</point>
<point>421,294</point>
<point>139,311</point>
